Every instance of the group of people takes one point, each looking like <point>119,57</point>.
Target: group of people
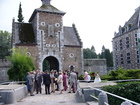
<point>87,77</point>
<point>53,81</point>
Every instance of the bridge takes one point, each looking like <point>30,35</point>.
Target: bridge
<point>87,94</point>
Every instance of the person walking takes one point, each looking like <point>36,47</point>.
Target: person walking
<point>38,82</point>
<point>56,77</point>
<point>47,82</point>
<point>52,81</point>
<point>31,83</point>
<point>73,81</point>
<point>97,78</point>
<point>65,81</point>
<point>60,82</point>
<point>27,81</point>
<point>85,75</point>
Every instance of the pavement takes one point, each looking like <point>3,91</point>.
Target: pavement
<point>59,99</point>
<point>53,99</point>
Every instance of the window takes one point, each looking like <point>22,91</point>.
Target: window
<point>128,58</point>
<point>42,23</point>
<point>121,46</point>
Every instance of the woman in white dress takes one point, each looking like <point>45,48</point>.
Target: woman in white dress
<point>97,78</point>
<point>60,82</point>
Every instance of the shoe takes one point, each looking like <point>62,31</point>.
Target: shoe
<point>32,95</point>
<point>69,92</point>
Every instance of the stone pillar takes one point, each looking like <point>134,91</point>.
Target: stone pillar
<point>126,103</point>
<point>103,98</point>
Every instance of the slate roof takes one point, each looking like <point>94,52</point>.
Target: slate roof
<point>133,21</point>
<point>71,37</point>
<point>26,33</point>
<point>47,9</point>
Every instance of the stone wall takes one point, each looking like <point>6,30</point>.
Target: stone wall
<point>96,65</point>
<point>4,66</point>
<point>73,57</point>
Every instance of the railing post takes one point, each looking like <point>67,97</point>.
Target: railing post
<point>126,103</point>
<point>103,98</point>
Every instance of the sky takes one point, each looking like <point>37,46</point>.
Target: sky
<point>95,20</point>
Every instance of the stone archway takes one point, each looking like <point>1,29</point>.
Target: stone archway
<point>50,63</point>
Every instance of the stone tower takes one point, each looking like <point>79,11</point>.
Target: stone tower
<point>48,40</point>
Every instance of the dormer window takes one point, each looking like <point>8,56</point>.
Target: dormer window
<point>123,29</point>
<point>129,26</point>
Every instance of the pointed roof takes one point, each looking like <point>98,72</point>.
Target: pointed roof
<point>48,8</point>
<point>71,37</point>
<point>132,23</point>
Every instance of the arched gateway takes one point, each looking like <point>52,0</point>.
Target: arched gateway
<point>52,45</point>
<point>50,63</point>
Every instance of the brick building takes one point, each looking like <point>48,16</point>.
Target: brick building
<point>125,44</point>
<point>48,40</point>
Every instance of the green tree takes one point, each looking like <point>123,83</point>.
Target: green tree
<point>20,16</point>
<point>5,44</point>
<point>93,51</point>
<point>21,64</point>
<point>107,55</point>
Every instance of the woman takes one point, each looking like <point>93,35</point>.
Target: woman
<point>60,82</point>
<point>97,78</point>
<point>65,81</point>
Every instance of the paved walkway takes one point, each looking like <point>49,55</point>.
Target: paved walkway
<point>52,99</point>
<point>59,99</point>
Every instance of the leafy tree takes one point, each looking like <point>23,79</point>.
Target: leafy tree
<point>107,55</point>
<point>21,64</point>
<point>20,16</point>
<point>94,55</point>
<point>5,44</point>
<point>89,53</point>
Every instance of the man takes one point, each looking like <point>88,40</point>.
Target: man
<point>47,82</point>
<point>31,83</point>
<point>38,79</point>
<point>73,81</point>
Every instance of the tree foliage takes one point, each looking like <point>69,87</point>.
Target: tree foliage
<point>21,64</point>
<point>89,53</point>
<point>20,16</point>
<point>107,55</point>
<point>129,90</point>
<point>5,44</point>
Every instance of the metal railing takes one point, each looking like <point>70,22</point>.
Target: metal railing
<point>126,101</point>
<point>14,82</point>
<point>122,98</point>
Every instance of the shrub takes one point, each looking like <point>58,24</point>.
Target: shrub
<point>122,74</point>
<point>21,64</point>
<point>129,90</point>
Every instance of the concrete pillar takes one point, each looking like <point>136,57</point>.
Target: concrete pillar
<point>102,98</point>
<point>126,103</point>
<point>10,98</point>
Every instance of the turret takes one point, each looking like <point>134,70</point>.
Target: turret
<point>46,2</point>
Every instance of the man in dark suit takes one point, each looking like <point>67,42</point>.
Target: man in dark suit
<point>47,82</point>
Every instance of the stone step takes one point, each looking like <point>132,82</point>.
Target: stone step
<point>92,103</point>
<point>1,103</point>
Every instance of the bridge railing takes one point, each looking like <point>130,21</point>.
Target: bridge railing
<point>103,96</point>
<point>103,99</point>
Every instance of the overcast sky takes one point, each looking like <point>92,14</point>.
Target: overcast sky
<point>95,20</point>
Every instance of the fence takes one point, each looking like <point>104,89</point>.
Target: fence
<point>103,100</point>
